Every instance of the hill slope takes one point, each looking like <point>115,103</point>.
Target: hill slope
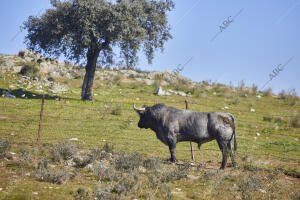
<point>267,136</point>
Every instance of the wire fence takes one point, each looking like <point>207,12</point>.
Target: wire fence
<point>86,119</point>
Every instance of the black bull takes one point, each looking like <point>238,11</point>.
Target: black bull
<point>173,125</point>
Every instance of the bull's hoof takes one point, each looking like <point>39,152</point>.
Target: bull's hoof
<point>173,160</point>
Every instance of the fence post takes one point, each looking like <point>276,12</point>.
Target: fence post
<point>191,144</point>
<point>41,118</point>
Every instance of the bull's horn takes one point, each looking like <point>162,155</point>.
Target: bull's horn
<point>138,109</point>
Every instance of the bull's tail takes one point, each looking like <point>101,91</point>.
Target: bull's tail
<point>234,134</point>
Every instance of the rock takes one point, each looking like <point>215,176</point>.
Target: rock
<point>252,110</point>
<point>57,88</point>
<point>257,134</point>
<point>193,177</point>
<point>178,189</point>
<point>142,170</point>
<point>1,189</point>
<point>262,191</point>
<point>161,92</point>
<point>73,139</point>
<point>258,96</point>
<point>35,193</point>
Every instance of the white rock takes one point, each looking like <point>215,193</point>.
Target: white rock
<point>142,170</point>
<point>262,191</point>
<point>104,140</point>
<point>226,107</point>
<point>23,95</point>
<point>137,99</point>
<point>296,139</point>
<point>74,139</point>
<point>252,110</point>
<point>35,193</point>
<point>27,174</point>
<point>1,189</point>
<point>258,96</point>
<point>178,189</point>
<point>257,134</point>
<point>193,177</point>
<point>12,153</point>
<point>254,138</point>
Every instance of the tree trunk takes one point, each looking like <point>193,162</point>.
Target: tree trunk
<point>90,68</point>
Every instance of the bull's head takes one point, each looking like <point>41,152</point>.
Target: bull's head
<point>144,121</point>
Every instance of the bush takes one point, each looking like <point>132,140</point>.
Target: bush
<point>105,173</point>
<point>30,69</point>
<point>267,118</point>
<point>62,151</point>
<point>267,93</point>
<point>80,194</point>
<point>4,146</point>
<point>127,162</point>
<point>295,121</point>
<point>154,164</point>
<point>172,175</point>
<point>289,97</point>
<point>26,156</point>
<point>101,193</point>
<point>126,184</point>
<point>116,109</point>
<point>44,174</point>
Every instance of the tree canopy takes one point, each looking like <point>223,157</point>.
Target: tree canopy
<point>91,29</point>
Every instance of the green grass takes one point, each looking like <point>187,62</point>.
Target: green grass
<point>110,118</point>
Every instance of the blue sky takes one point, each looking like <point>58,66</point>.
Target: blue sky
<point>264,35</point>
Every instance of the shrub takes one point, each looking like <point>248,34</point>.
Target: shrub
<point>127,162</point>
<point>80,194</point>
<point>267,118</point>
<point>26,156</point>
<point>254,89</point>
<point>4,146</point>
<point>105,173</point>
<point>126,184</point>
<point>172,175</point>
<point>154,164</point>
<point>289,97</point>
<point>30,69</point>
<point>295,121</point>
<point>101,193</point>
<point>62,151</point>
<point>267,93</point>
<point>116,109</point>
<point>44,174</point>
<point>108,148</point>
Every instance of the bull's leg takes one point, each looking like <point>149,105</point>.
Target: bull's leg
<point>172,152</point>
<point>224,150</point>
<point>232,154</point>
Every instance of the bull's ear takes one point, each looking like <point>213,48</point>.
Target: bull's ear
<point>140,112</point>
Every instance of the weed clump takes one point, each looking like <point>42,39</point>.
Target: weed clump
<point>172,175</point>
<point>44,174</point>
<point>126,184</point>
<point>105,173</point>
<point>101,193</point>
<point>80,194</point>
<point>62,151</point>
<point>295,121</point>
<point>153,164</point>
<point>128,162</point>
<point>26,156</point>
<point>4,146</point>
<point>30,69</point>
<point>116,109</point>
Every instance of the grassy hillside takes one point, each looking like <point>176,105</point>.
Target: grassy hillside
<point>268,136</point>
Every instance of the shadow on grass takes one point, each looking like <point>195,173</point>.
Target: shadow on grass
<point>19,93</point>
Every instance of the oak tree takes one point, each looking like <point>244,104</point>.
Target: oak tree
<point>91,30</point>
